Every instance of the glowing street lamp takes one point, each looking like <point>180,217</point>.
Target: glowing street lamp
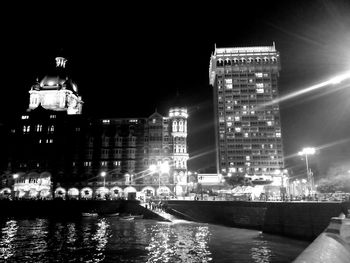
<point>103,174</point>
<point>162,168</point>
<point>15,176</point>
<point>308,151</point>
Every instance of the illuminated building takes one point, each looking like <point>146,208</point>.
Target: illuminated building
<point>248,126</point>
<point>52,142</point>
<point>56,91</point>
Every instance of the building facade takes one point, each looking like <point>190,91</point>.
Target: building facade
<point>56,150</point>
<point>247,115</point>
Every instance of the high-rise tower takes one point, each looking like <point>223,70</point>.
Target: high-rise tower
<point>247,116</point>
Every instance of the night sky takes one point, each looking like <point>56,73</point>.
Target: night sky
<point>130,60</point>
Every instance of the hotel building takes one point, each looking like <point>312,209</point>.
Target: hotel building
<point>55,150</point>
<point>247,114</point>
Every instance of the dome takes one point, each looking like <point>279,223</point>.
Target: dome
<point>51,82</point>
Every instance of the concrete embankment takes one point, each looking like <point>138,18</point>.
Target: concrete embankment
<point>304,220</point>
<point>331,246</point>
<point>67,208</point>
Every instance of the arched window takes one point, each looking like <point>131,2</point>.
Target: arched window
<point>174,126</point>
<point>219,62</point>
<point>181,126</point>
<point>258,60</point>
<point>227,62</point>
<point>235,61</point>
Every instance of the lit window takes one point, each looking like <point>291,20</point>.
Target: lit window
<point>278,134</point>
<point>229,124</point>
<point>25,117</point>
<point>228,81</point>
<point>40,141</point>
<point>52,116</point>
<point>106,121</point>
<point>38,127</point>
<point>228,86</point>
<point>247,158</point>
<point>238,129</point>
<point>246,135</point>
<point>237,118</point>
<point>259,85</point>
<point>269,123</point>
<point>26,129</point>
<point>259,75</point>
<point>259,90</point>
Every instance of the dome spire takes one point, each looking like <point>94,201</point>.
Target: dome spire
<point>61,62</point>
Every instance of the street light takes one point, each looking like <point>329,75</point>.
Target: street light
<point>162,168</point>
<point>103,174</point>
<point>308,151</point>
<point>15,176</point>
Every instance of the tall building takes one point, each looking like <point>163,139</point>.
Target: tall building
<point>247,116</point>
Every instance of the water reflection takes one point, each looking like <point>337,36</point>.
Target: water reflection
<point>8,234</point>
<point>260,252</point>
<point>178,244</point>
<point>110,240</point>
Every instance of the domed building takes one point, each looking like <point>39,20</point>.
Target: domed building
<point>56,91</point>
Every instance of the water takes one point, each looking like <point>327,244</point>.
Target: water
<point>109,240</point>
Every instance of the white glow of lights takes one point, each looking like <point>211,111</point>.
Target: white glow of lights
<point>103,174</point>
<point>308,150</point>
<point>51,83</point>
<point>335,80</point>
<point>164,167</point>
<point>15,176</point>
<point>152,167</point>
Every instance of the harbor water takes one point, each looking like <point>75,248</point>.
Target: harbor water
<point>108,239</point>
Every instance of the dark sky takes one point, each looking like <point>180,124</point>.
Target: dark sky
<point>128,60</point>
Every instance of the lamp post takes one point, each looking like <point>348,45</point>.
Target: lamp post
<point>103,174</point>
<point>161,168</point>
<point>306,152</point>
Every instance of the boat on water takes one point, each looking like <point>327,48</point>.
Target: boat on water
<point>111,214</point>
<point>126,218</point>
<point>89,214</point>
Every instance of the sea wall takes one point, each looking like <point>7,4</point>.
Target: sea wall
<point>331,246</point>
<point>305,220</point>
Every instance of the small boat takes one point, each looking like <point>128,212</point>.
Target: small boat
<point>89,214</point>
<point>126,218</point>
<point>138,216</point>
<point>111,214</point>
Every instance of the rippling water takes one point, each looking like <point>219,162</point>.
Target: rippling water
<point>109,240</point>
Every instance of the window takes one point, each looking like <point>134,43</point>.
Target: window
<point>38,127</point>
<point>258,75</point>
<point>52,116</point>
<point>174,126</point>
<point>105,121</point>
<point>25,117</point>
<point>87,164</point>
<point>26,129</point>
<point>104,163</point>
<point>181,126</point>
<point>51,129</point>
